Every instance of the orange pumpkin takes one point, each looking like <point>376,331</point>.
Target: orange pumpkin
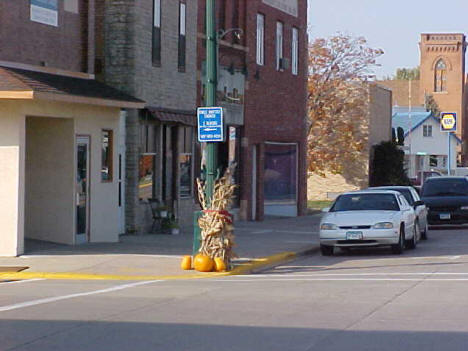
<point>203,263</point>
<point>220,265</point>
<point>186,263</point>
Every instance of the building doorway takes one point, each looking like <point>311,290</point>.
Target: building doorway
<point>82,189</point>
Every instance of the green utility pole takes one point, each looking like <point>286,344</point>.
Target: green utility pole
<point>210,89</point>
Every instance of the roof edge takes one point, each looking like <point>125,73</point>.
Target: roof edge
<point>88,100</point>
<point>50,70</point>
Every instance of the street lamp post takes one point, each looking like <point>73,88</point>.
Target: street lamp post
<point>210,98</point>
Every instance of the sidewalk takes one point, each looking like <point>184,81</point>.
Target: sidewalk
<point>158,256</point>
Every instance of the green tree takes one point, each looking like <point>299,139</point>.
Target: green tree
<point>388,165</point>
<point>431,105</point>
<point>407,73</point>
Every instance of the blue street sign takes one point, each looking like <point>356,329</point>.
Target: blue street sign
<point>210,124</point>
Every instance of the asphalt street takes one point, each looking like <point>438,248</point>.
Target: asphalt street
<point>357,300</point>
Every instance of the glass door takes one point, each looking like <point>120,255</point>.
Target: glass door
<point>82,189</point>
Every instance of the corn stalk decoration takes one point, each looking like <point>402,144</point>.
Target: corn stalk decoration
<point>217,238</point>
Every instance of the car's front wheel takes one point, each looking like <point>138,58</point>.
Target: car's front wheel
<point>398,248</point>
<point>326,250</point>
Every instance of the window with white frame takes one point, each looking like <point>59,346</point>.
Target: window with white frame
<point>260,39</point>
<point>279,44</point>
<point>427,130</point>
<point>295,51</point>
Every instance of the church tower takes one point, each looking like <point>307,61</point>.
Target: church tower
<point>442,74</point>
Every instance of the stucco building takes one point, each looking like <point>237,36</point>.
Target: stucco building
<point>262,86</point>
<point>60,132</point>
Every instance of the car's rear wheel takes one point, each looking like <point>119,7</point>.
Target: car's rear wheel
<point>411,244</point>
<point>326,250</point>
<point>398,248</point>
<point>424,232</point>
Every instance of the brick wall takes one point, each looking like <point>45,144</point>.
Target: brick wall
<point>25,41</point>
<point>275,103</point>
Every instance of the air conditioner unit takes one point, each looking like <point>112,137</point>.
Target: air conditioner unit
<point>284,64</point>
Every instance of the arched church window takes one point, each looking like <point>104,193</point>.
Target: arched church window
<point>440,79</point>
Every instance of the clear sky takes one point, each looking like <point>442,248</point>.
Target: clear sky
<point>391,25</point>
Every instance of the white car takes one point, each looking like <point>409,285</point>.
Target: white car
<point>368,219</point>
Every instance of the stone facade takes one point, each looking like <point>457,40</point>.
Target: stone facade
<point>355,175</point>
<point>127,64</point>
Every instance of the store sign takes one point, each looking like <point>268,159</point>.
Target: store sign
<point>45,12</point>
<point>288,6</point>
<point>448,122</point>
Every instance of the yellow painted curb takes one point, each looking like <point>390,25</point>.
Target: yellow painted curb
<point>240,269</point>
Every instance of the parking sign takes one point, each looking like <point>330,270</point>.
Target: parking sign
<point>210,124</point>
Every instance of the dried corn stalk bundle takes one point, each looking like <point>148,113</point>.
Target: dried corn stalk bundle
<point>217,238</point>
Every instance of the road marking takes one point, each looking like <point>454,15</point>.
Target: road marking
<point>262,231</point>
<point>23,281</point>
<point>349,280</point>
<point>353,274</point>
<point>71,296</point>
<point>436,257</point>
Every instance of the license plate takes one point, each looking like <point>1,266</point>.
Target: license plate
<point>353,235</point>
<point>444,216</point>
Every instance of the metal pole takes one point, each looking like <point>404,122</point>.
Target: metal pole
<point>448,154</point>
<point>211,84</point>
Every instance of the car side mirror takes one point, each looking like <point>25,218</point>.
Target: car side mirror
<point>326,209</point>
<point>418,203</point>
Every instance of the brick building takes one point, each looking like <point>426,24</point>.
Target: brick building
<point>262,79</point>
<point>59,128</point>
<point>442,76</point>
<point>148,49</point>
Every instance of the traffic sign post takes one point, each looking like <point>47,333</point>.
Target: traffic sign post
<point>448,123</point>
<point>210,124</point>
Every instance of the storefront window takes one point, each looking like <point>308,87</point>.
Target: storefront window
<point>146,176</point>
<point>280,177</point>
<point>185,161</point>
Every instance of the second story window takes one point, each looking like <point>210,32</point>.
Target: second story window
<point>440,79</point>
<point>181,55</point>
<point>156,50</point>
<point>295,51</point>
<point>427,130</point>
<point>260,39</point>
<point>279,45</point>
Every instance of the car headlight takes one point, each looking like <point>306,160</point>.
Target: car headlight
<point>464,208</point>
<point>383,225</point>
<point>328,226</point>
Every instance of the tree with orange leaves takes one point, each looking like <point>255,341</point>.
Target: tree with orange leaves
<point>339,69</point>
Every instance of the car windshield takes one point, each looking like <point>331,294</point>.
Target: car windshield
<point>445,187</point>
<point>365,202</point>
<point>405,192</point>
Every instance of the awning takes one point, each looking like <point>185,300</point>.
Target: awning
<point>174,116</point>
<point>18,83</point>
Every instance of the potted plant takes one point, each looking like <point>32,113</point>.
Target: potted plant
<point>174,227</point>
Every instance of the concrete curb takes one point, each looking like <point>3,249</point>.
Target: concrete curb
<point>251,267</point>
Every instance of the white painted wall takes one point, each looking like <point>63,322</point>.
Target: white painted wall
<point>50,179</point>
<point>104,196</point>
<point>12,136</point>
<point>87,119</point>
<point>435,145</point>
